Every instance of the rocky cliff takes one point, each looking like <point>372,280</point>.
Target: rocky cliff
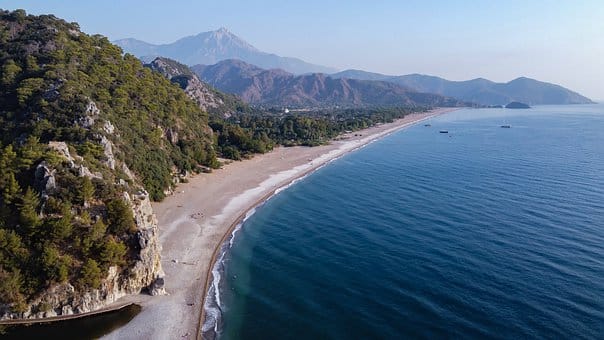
<point>145,275</point>
<point>208,98</point>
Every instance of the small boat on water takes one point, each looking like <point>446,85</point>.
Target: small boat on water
<point>506,126</point>
<point>427,125</point>
<point>444,131</point>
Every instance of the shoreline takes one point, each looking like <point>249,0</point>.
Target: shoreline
<point>191,239</point>
<point>229,234</point>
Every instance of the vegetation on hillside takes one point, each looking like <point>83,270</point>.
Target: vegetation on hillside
<point>63,217</point>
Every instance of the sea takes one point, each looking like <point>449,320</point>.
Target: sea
<point>481,232</point>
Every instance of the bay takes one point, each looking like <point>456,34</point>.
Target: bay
<point>481,232</point>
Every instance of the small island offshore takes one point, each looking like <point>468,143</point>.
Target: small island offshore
<point>517,105</point>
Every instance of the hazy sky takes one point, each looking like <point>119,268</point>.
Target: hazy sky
<point>555,41</point>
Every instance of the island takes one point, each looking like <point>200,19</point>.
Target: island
<point>517,105</point>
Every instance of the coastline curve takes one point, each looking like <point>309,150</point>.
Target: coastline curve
<point>321,161</point>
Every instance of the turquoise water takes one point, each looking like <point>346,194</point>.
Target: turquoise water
<point>484,232</point>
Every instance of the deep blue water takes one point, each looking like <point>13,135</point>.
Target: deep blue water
<point>484,232</point>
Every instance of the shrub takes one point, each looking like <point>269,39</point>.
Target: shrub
<point>120,217</point>
<point>90,274</point>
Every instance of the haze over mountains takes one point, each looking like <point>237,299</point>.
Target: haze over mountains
<point>264,84</point>
<point>214,46</point>
<point>279,88</point>
<point>481,91</point>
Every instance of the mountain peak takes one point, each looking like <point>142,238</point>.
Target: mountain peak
<point>222,32</point>
<point>222,38</point>
<point>211,47</point>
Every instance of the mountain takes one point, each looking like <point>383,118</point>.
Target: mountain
<point>214,46</point>
<point>88,137</point>
<point>481,91</point>
<point>279,88</point>
<point>360,74</point>
<point>207,98</point>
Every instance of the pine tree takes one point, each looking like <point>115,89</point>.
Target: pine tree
<point>86,190</point>
<point>62,227</point>
<point>30,152</point>
<point>10,290</point>
<point>11,188</point>
<point>28,212</point>
<point>121,219</point>
<point>113,252</point>
<point>90,274</point>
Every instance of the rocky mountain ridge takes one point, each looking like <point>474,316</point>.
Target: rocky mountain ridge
<point>276,87</point>
<point>208,99</point>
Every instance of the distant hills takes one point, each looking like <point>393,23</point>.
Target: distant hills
<point>214,46</point>
<point>481,91</point>
<point>279,88</point>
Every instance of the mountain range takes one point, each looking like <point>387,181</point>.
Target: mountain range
<point>481,91</point>
<point>214,46</point>
<point>276,87</point>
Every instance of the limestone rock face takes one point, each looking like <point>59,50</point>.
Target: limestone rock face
<point>90,116</point>
<point>196,89</point>
<point>63,150</point>
<point>45,178</point>
<point>199,92</point>
<point>108,151</point>
<point>145,275</point>
<point>108,127</point>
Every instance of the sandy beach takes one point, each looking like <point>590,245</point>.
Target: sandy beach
<point>195,220</point>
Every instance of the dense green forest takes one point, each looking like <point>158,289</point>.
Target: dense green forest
<point>242,135</point>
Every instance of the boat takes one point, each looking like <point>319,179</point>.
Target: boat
<point>506,126</point>
<point>444,131</point>
<point>427,125</point>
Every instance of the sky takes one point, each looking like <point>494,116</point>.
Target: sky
<point>555,41</point>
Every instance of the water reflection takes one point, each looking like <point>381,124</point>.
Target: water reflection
<point>84,328</point>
